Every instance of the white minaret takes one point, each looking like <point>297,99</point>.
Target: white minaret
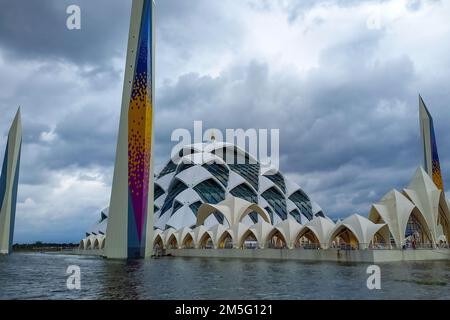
<point>130,221</point>
<point>430,153</point>
<point>9,181</point>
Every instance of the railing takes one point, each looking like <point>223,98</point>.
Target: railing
<point>308,246</point>
<point>250,246</point>
<point>341,247</point>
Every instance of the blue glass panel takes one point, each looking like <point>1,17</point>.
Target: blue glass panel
<point>175,189</point>
<point>183,166</point>
<point>194,207</point>
<point>176,206</point>
<point>296,214</point>
<point>210,191</point>
<point>276,201</point>
<point>219,171</point>
<point>278,180</point>
<point>270,212</point>
<point>169,168</point>
<point>250,172</point>
<point>303,203</point>
<point>158,191</point>
<point>243,191</point>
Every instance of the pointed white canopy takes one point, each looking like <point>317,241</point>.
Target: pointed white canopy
<point>321,228</point>
<point>261,230</point>
<point>234,210</point>
<point>426,196</point>
<point>237,232</point>
<point>199,232</point>
<point>363,229</point>
<point>217,232</point>
<point>182,234</point>
<point>290,229</point>
<point>158,233</point>
<point>423,200</point>
<point>394,209</point>
<point>167,235</point>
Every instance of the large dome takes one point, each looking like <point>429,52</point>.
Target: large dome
<point>209,172</point>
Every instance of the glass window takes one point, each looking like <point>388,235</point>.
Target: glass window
<point>219,171</point>
<point>270,212</point>
<point>210,191</point>
<point>276,201</point>
<point>250,172</point>
<point>183,166</point>
<point>171,167</point>
<point>243,191</point>
<point>296,214</point>
<point>303,203</point>
<point>176,206</point>
<point>158,191</point>
<point>194,207</point>
<point>254,216</point>
<point>175,189</point>
<point>278,180</point>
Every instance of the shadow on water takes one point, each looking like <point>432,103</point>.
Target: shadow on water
<point>121,279</point>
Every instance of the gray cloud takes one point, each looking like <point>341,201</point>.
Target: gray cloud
<point>37,30</point>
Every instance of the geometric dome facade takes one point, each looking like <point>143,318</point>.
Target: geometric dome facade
<point>209,173</point>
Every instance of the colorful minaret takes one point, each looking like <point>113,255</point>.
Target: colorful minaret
<point>9,181</point>
<point>131,204</point>
<point>430,153</point>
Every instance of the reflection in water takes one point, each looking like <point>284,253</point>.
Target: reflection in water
<point>121,279</point>
<point>43,276</point>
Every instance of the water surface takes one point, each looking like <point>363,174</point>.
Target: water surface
<point>43,276</point>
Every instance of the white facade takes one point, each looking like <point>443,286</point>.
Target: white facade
<point>198,174</point>
<point>361,228</point>
<point>321,229</point>
<point>421,201</point>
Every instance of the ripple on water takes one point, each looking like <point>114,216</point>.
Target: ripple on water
<point>43,276</point>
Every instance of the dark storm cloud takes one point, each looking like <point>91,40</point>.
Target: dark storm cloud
<point>352,116</point>
<point>37,30</point>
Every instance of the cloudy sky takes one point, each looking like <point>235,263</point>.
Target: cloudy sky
<point>340,79</point>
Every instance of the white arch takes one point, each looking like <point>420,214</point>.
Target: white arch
<point>290,229</point>
<point>98,242</point>
<point>237,231</point>
<point>217,232</point>
<point>362,228</point>
<point>244,237</point>
<point>167,234</point>
<point>182,234</point>
<point>321,228</point>
<point>90,242</point>
<point>83,244</point>
<point>158,235</point>
<point>234,209</point>
<point>261,230</point>
<point>198,234</point>
<point>395,209</point>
